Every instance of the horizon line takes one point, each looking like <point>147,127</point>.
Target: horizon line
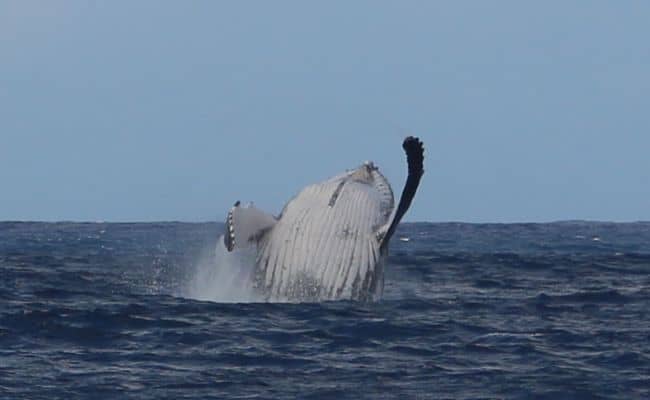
<point>174,221</point>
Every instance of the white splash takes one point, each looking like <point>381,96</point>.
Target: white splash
<point>223,277</point>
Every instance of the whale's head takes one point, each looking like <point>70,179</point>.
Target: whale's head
<point>364,173</point>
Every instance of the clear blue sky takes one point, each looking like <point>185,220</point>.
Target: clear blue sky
<point>172,110</point>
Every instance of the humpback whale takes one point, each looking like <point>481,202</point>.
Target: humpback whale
<point>330,242</point>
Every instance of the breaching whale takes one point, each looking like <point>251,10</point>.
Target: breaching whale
<point>330,242</point>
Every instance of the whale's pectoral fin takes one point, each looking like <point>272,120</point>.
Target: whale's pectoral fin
<point>415,159</point>
<point>245,226</point>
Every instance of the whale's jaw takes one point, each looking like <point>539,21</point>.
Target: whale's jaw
<point>325,245</point>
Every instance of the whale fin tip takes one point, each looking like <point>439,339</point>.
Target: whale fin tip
<point>246,225</point>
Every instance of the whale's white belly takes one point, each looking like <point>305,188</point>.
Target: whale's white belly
<point>325,244</point>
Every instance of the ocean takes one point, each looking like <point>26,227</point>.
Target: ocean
<point>470,311</point>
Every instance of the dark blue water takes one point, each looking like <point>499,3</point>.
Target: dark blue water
<point>555,311</point>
